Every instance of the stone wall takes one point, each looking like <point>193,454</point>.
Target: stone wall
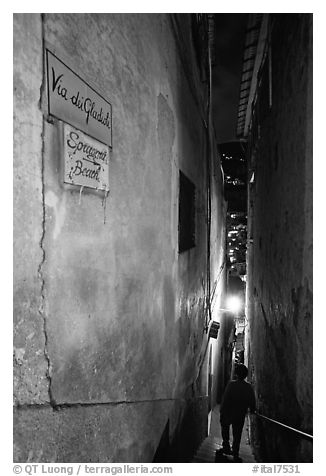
<point>109,322</point>
<point>280,255</point>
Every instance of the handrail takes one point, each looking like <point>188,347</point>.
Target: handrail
<point>307,435</point>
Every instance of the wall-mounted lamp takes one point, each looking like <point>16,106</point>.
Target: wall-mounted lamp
<point>213,330</point>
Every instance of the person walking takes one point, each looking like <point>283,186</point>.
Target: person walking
<point>238,397</point>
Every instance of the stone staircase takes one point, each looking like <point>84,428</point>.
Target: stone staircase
<point>206,452</point>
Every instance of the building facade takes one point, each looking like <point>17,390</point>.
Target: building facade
<point>275,116</point>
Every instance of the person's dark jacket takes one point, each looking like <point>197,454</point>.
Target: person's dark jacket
<point>237,398</point>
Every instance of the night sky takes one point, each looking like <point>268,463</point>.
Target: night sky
<point>229,40</point>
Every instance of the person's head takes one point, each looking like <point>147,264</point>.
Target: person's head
<point>241,371</point>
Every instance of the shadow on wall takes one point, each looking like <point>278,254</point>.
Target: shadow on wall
<point>280,372</point>
<point>190,432</point>
<point>269,446</point>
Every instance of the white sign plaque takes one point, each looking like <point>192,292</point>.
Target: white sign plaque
<point>73,101</point>
<point>86,160</point>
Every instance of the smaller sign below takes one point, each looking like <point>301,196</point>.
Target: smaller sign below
<point>86,160</point>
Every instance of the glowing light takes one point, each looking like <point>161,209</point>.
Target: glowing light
<point>234,304</point>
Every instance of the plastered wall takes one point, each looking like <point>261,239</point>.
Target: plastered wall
<point>280,250</point>
<point>109,341</point>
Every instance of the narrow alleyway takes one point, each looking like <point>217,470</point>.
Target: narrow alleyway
<point>162,185</point>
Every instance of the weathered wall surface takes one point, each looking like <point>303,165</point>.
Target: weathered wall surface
<point>280,259</point>
<point>218,273</point>
<point>30,369</point>
<point>109,322</point>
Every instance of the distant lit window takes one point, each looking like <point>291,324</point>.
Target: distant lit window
<point>187,197</point>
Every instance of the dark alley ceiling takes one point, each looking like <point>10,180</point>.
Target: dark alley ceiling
<point>230,29</point>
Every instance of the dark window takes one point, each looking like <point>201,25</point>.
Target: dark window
<point>187,195</point>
